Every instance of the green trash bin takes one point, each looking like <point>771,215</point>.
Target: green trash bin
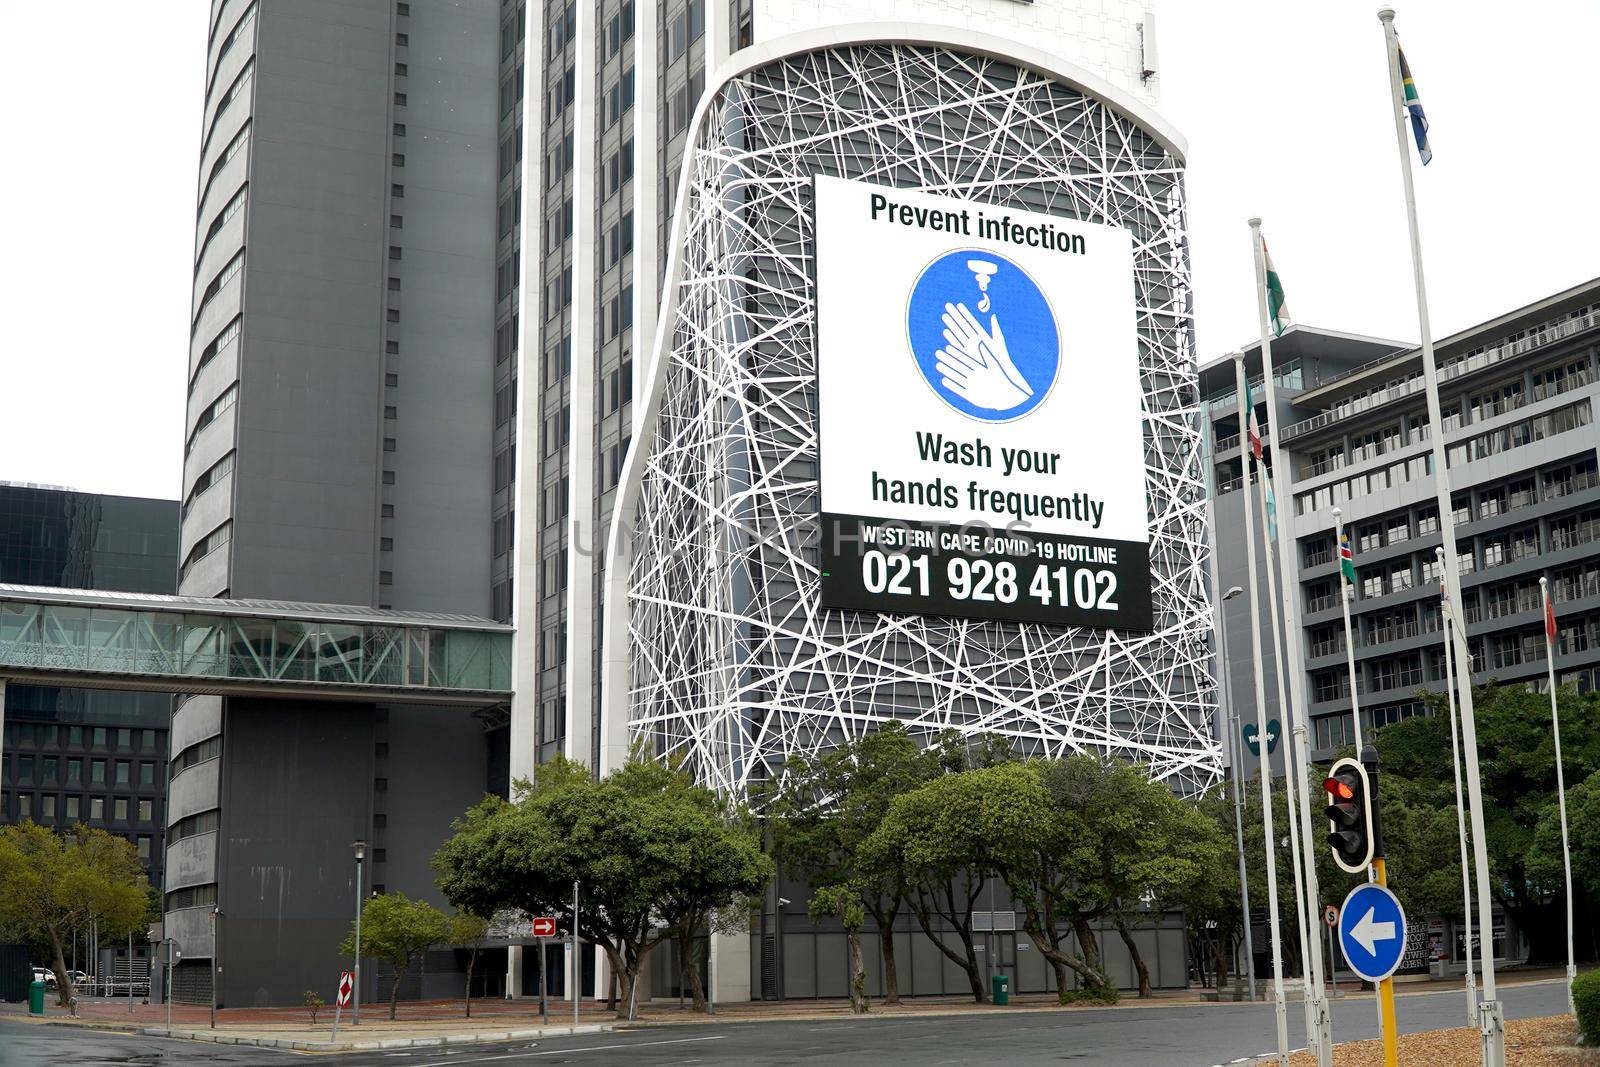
<point>36,998</point>
<point>1002,990</point>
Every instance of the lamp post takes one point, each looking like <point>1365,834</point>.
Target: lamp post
<point>355,992</point>
<point>1232,727</point>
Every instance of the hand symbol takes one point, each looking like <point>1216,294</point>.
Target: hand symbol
<point>975,364</point>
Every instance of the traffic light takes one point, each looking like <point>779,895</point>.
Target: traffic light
<point>1350,815</point>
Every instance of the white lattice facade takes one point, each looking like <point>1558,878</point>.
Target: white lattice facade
<point>717,647</point>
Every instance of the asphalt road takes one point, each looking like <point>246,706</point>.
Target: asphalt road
<point>1186,1036</point>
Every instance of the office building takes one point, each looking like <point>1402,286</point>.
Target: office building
<point>82,755</point>
<point>1518,394</point>
<point>431,239</point>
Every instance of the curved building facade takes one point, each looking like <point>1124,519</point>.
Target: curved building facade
<point>718,645</point>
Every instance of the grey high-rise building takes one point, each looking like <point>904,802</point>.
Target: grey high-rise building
<point>430,241</point>
<point>1518,395</point>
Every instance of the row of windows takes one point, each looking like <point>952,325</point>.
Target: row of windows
<point>191,825</point>
<point>1480,447</point>
<point>50,809</point>
<point>235,35</point>
<point>195,896</point>
<point>234,205</point>
<point>619,240</point>
<point>40,734</point>
<point>619,30</point>
<point>221,404</point>
<point>50,769</point>
<point>205,546</point>
<point>229,271</point>
<point>235,146</point>
<point>619,312</point>
<point>225,337</point>
<point>199,752</point>
<point>619,167</point>
<point>209,477</point>
<point>619,98</point>
<point>235,90</point>
<point>686,28</point>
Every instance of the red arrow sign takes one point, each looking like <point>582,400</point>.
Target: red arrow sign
<point>545,926</point>
<point>347,983</point>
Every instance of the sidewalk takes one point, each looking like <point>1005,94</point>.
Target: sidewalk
<point>417,1024</point>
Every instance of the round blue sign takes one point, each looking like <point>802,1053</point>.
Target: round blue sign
<point>983,335</point>
<point>1372,931</point>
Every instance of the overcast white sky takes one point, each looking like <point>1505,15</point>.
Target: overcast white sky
<point>1282,102</point>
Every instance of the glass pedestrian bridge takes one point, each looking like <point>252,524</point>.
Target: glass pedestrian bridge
<point>93,639</point>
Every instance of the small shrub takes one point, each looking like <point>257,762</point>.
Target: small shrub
<point>1586,997</point>
<point>1105,994</point>
<point>314,1003</point>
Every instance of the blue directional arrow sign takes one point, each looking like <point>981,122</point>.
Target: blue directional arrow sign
<point>1372,931</point>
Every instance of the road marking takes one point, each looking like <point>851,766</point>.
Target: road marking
<point>566,1051</point>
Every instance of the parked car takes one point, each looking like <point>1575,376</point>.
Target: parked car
<point>45,975</point>
<point>78,978</point>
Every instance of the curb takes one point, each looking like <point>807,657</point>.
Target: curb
<point>299,1045</point>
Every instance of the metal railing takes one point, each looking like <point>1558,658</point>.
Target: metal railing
<point>1548,333</point>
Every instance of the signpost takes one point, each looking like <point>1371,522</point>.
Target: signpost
<point>347,986</point>
<point>543,927</point>
<point>174,954</point>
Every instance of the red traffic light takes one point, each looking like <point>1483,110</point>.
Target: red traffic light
<point>1339,788</point>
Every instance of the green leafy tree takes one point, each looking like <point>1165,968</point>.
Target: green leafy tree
<point>53,883</point>
<point>469,931</point>
<point>398,930</point>
<point>949,836</point>
<point>1212,908</point>
<point>1109,842</point>
<point>828,806</point>
<point>1583,837</point>
<point>842,901</point>
<point>646,845</point>
<point>1516,753</point>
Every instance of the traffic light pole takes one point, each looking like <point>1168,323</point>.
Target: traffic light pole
<point>1391,1051</point>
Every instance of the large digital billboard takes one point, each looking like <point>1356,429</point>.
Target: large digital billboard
<point>981,440</point>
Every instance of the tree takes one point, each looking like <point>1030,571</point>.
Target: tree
<point>828,806</point>
<point>948,836</point>
<point>1108,841</point>
<point>1212,908</point>
<point>646,845</point>
<point>468,931</point>
<point>51,884</point>
<point>397,930</point>
<point>842,901</point>
<point>1516,755</point>
<point>1583,835</point>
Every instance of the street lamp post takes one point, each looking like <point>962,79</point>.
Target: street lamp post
<point>1232,720</point>
<point>355,990</point>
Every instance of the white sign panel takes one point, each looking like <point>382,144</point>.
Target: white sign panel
<point>981,434</point>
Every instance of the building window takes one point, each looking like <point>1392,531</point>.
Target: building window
<point>72,808</point>
<point>147,810</point>
<point>399,160</point>
<point>97,771</point>
<point>119,809</point>
<point>394,252</point>
<point>97,809</point>
<point>124,772</point>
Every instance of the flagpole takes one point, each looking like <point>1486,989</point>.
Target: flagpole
<point>1561,778</point>
<point>1455,766</point>
<point>1230,714</point>
<point>1294,641</point>
<point>1279,1009</point>
<point>1291,794</point>
<point>1491,1014</point>
<point>1347,590</point>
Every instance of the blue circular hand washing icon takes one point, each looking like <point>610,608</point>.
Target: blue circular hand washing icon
<point>983,335</point>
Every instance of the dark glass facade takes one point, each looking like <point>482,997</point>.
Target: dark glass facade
<point>74,755</point>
